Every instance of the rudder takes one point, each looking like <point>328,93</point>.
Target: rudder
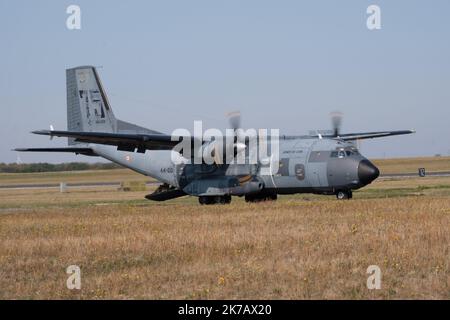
<point>88,108</point>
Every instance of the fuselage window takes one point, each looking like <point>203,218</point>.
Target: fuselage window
<point>300,171</point>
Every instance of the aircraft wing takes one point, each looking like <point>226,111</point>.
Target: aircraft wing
<point>372,135</point>
<point>123,141</point>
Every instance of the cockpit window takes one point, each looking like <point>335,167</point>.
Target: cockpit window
<point>338,154</point>
<point>342,153</point>
<point>352,152</point>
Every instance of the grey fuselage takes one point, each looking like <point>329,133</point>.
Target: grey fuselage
<point>306,165</point>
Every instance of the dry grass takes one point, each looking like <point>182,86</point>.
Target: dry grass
<point>113,175</point>
<point>300,247</point>
<point>292,249</point>
<point>74,197</point>
<point>82,196</point>
<point>411,165</point>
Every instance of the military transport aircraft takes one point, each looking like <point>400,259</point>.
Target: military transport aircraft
<point>327,163</point>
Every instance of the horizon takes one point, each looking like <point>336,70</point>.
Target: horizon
<point>103,161</point>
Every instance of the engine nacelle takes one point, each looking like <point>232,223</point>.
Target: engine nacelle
<point>253,186</point>
<point>219,152</point>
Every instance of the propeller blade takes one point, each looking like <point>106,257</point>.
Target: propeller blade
<point>51,129</point>
<point>234,118</point>
<point>336,122</point>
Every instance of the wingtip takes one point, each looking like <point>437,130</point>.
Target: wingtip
<point>42,132</point>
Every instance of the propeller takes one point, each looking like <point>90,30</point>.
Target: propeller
<point>234,119</point>
<point>220,150</point>
<point>336,122</point>
<point>51,129</point>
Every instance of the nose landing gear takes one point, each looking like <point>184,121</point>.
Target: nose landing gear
<point>344,194</point>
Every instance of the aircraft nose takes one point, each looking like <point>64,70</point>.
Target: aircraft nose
<point>367,172</point>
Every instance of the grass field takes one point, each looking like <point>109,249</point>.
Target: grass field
<point>114,175</point>
<point>386,166</point>
<point>411,165</point>
<point>300,247</point>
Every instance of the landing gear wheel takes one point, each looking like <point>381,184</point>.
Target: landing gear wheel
<point>261,197</point>
<point>223,199</point>
<point>214,199</point>
<point>344,194</point>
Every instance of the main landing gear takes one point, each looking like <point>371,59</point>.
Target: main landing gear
<point>344,194</point>
<point>214,199</point>
<point>260,197</point>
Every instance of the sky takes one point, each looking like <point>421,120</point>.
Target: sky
<point>283,64</point>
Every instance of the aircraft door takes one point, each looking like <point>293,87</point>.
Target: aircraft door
<point>317,168</point>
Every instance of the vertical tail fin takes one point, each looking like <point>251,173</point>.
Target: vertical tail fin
<point>88,107</point>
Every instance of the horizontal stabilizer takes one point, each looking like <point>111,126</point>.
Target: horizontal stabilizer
<point>84,151</point>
